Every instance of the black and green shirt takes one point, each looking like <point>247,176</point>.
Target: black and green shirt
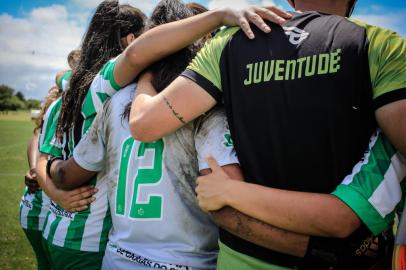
<point>300,100</point>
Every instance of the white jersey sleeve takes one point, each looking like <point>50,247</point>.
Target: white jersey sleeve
<point>213,138</point>
<point>90,152</point>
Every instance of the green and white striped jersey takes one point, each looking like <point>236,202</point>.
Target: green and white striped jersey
<point>34,207</point>
<point>33,210</point>
<point>374,188</point>
<point>64,81</point>
<point>156,219</point>
<point>86,230</point>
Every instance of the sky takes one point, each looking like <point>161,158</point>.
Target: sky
<point>37,35</point>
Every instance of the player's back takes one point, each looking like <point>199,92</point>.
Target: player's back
<point>156,219</point>
<point>305,88</point>
<point>300,101</point>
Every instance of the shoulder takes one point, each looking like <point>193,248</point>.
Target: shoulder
<point>375,33</point>
<point>121,99</point>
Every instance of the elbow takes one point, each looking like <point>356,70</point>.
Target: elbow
<point>61,181</point>
<point>342,232</point>
<point>141,130</point>
<point>134,60</point>
<point>345,228</point>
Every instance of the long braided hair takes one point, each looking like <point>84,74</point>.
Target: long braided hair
<point>102,41</point>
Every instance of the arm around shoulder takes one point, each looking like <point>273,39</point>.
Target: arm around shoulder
<point>155,116</point>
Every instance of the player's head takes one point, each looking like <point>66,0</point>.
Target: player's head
<point>111,29</point>
<point>53,94</point>
<point>167,69</point>
<point>196,8</point>
<point>73,58</point>
<point>334,5</point>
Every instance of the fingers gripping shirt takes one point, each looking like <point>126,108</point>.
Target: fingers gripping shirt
<point>151,187</point>
<point>86,230</point>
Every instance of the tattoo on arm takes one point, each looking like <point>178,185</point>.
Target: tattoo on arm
<point>175,113</point>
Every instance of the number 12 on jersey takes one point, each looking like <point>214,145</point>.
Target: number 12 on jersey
<point>144,176</point>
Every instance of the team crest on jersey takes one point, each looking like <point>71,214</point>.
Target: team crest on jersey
<point>296,35</point>
<point>228,142</point>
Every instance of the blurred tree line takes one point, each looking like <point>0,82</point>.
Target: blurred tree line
<point>10,100</point>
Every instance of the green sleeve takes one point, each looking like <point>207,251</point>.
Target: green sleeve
<point>103,87</point>
<point>387,64</point>
<point>65,78</point>
<point>107,73</point>
<point>373,188</point>
<point>48,143</point>
<point>205,67</point>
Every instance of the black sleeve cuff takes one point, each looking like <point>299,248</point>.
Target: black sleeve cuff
<point>389,97</point>
<point>204,83</point>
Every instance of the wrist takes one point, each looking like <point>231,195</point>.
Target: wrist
<point>220,15</point>
<point>229,192</point>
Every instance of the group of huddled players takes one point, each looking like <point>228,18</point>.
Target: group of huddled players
<point>173,143</point>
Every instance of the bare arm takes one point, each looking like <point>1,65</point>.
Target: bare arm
<point>154,116</point>
<point>148,48</point>
<point>67,174</point>
<point>30,177</point>
<point>260,233</point>
<point>73,201</point>
<point>32,151</point>
<point>254,230</point>
<point>305,213</point>
<point>392,119</point>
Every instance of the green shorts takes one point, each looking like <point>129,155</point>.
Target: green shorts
<point>70,259</point>
<point>229,259</point>
<point>35,238</point>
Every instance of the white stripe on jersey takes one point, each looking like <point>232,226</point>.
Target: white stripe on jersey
<point>46,122</point>
<point>387,195</point>
<point>94,225</point>
<point>357,168</point>
<point>44,210</point>
<point>26,206</point>
<point>50,219</point>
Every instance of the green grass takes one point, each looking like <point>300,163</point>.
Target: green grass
<point>15,130</point>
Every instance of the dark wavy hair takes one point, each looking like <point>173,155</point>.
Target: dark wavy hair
<point>196,8</point>
<point>169,68</point>
<point>102,41</point>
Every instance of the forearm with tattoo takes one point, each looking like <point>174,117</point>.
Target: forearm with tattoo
<point>260,233</point>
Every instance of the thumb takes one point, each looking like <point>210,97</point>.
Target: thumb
<point>214,166</point>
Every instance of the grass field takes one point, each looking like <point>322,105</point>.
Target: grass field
<point>15,130</point>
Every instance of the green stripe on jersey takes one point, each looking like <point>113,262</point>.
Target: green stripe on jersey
<point>107,224</point>
<point>102,87</point>
<point>64,81</point>
<point>33,216</point>
<point>53,227</point>
<point>74,236</point>
<point>49,126</point>
<point>373,189</point>
<point>107,72</point>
